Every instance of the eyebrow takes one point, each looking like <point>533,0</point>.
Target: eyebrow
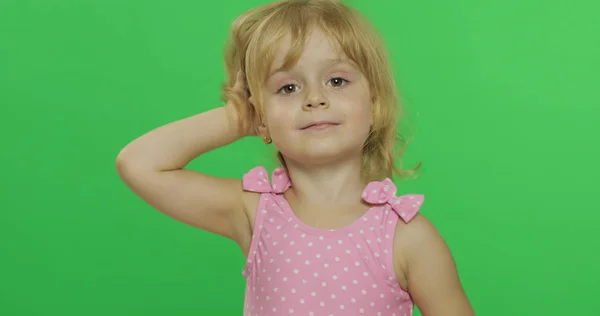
<point>329,62</point>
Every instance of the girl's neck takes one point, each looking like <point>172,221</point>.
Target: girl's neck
<point>339,184</point>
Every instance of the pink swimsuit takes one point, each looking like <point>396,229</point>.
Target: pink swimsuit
<point>296,269</point>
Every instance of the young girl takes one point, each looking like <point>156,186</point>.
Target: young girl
<point>326,233</point>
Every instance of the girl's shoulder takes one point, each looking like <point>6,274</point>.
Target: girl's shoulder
<point>420,248</point>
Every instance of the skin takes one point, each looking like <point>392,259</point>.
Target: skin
<point>324,163</point>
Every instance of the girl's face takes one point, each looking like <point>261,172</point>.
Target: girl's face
<point>319,111</point>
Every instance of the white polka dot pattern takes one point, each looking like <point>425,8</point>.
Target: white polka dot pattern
<point>297,269</point>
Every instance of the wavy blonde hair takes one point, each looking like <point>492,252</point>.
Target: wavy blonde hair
<point>255,37</point>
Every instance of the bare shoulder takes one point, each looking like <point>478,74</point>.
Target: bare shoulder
<point>410,237</point>
<point>420,237</point>
<point>417,232</point>
<point>427,270</point>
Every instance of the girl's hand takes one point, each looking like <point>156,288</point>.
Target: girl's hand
<point>240,107</point>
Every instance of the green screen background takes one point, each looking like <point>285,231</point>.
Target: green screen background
<point>502,95</point>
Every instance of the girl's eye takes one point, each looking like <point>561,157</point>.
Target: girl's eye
<point>287,89</point>
<point>337,81</point>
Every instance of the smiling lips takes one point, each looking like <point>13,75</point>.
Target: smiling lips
<point>319,125</point>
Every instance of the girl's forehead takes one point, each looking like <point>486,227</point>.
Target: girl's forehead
<point>317,49</point>
<point>315,40</point>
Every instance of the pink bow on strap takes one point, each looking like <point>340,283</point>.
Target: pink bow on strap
<point>257,180</point>
<point>384,192</point>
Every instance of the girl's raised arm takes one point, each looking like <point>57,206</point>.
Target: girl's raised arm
<point>152,166</point>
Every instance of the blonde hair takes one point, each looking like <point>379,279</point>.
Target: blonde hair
<point>255,37</point>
